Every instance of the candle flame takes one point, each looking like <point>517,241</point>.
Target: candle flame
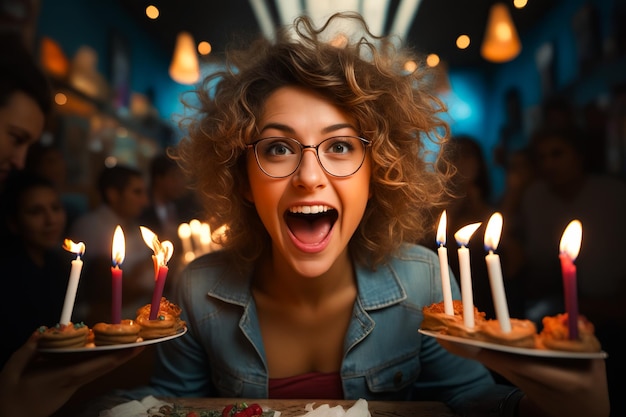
<point>205,234</point>
<point>162,250</point>
<point>118,250</point>
<point>464,234</point>
<point>184,231</point>
<point>493,231</point>
<point>77,248</point>
<point>195,226</point>
<point>441,230</point>
<point>571,239</point>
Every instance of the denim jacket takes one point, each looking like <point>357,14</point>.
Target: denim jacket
<point>385,358</point>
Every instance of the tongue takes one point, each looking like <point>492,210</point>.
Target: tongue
<point>309,232</point>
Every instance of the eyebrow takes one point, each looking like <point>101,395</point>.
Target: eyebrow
<point>290,130</point>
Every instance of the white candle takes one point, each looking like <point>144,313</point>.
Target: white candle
<point>462,237</point>
<point>205,237</point>
<point>184,233</point>
<point>72,285</point>
<point>443,265</point>
<point>196,227</point>
<point>494,268</point>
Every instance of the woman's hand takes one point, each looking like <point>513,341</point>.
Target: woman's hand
<point>553,387</point>
<point>36,387</point>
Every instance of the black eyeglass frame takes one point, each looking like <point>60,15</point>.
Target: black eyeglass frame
<point>365,142</point>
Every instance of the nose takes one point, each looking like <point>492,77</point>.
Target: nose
<point>310,174</point>
<point>18,157</point>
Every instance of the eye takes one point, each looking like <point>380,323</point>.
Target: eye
<point>339,145</point>
<point>277,147</point>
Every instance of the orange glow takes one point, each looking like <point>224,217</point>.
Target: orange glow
<point>441,229</point>
<point>571,239</point>
<point>493,231</point>
<point>162,250</point>
<point>501,42</point>
<point>77,248</point>
<point>410,66</point>
<point>60,99</point>
<point>204,48</point>
<point>152,12</point>
<point>463,41</point>
<point>118,249</point>
<point>464,234</point>
<point>432,60</point>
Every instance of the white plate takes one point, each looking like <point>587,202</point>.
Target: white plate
<point>517,350</point>
<point>114,347</point>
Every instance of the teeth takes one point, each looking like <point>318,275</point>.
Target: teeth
<point>309,209</point>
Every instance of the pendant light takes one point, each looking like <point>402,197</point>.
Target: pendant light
<point>185,68</point>
<point>501,43</point>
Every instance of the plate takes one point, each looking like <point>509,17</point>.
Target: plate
<point>114,347</point>
<point>545,353</point>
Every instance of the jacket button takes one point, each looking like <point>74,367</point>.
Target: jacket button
<point>397,378</point>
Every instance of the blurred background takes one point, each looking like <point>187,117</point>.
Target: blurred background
<point>118,80</point>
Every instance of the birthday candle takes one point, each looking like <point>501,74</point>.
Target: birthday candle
<point>118,250</point>
<point>162,253</point>
<point>569,248</point>
<point>72,285</point>
<point>462,236</point>
<point>443,265</point>
<point>494,268</point>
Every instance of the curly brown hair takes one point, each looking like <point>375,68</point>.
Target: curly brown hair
<point>394,108</point>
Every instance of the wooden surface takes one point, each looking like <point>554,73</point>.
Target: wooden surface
<point>294,408</point>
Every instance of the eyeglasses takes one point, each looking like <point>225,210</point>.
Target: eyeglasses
<point>339,156</point>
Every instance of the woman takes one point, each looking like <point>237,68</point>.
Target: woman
<point>312,152</point>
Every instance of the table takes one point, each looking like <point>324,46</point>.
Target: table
<point>294,408</point>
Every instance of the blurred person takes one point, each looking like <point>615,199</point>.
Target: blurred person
<point>471,189</point>
<point>30,384</point>
<point>171,203</point>
<point>49,162</point>
<point>34,264</point>
<point>124,197</point>
<point>564,191</point>
<point>313,155</point>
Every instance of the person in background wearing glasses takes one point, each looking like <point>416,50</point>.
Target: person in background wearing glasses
<point>312,153</point>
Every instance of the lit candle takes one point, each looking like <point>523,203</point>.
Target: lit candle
<point>443,265</point>
<point>184,233</point>
<point>162,254</point>
<point>462,236</point>
<point>492,238</point>
<point>205,237</point>
<point>118,251</point>
<point>196,228</point>
<point>72,284</point>
<point>569,248</point>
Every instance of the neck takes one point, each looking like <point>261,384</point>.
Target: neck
<point>277,279</point>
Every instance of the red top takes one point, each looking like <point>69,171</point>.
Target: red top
<point>314,385</point>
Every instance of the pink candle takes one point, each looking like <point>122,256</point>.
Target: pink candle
<point>162,253</point>
<point>118,250</point>
<point>116,301</point>
<point>158,292</point>
<point>569,248</point>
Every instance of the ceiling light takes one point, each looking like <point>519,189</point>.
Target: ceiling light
<point>463,41</point>
<point>152,12</point>
<point>501,42</point>
<point>185,68</point>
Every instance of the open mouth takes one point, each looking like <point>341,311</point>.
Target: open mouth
<point>311,224</point>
